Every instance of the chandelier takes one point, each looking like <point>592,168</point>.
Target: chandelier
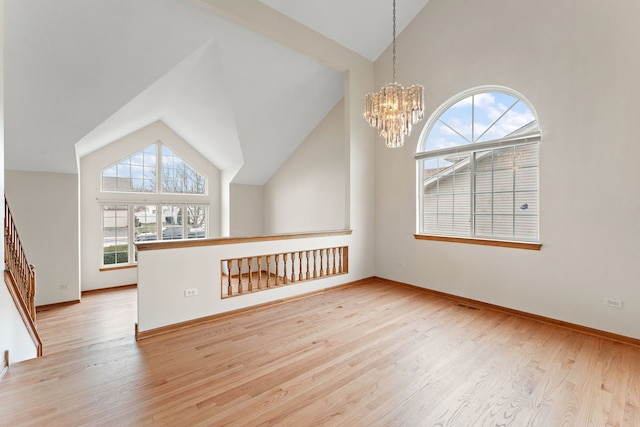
<point>393,110</point>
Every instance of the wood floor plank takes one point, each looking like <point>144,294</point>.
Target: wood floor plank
<point>369,355</point>
<point>101,316</point>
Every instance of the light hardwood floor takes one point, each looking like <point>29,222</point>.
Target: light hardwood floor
<point>368,355</point>
<point>102,316</point>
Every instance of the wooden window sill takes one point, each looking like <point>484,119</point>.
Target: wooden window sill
<point>484,242</point>
<point>118,267</point>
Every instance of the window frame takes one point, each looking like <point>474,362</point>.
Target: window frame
<point>159,173</point>
<point>159,198</point>
<point>160,183</point>
<point>115,207</point>
<point>131,218</point>
<point>532,135</point>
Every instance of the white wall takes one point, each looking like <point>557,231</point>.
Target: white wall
<point>307,193</point>
<point>91,166</point>
<point>247,210</point>
<point>164,275</point>
<point>359,152</point>
<point>157,289</point>
<point>13,334</point>
<point>45,210</point>
<point>577,65</point>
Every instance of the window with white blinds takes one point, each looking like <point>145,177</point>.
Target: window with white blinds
<point>478,168</point>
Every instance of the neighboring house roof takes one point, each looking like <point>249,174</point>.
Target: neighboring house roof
<point>460,160</point>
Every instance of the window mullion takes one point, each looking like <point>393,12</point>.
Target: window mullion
<point>453,201</point>
<point>185,220</point>
<point>438,200</point>
<point>131,231</point>
<point>473,118</point>
<point>493,194</point>
<point>472,161</point>
<point>159,167</point>
<point>420,212</point>
<point>158,221</point>
<point>513,190</point>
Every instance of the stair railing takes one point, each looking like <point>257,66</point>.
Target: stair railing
<point>17,265</point>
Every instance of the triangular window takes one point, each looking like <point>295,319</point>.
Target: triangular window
<point>178,176</point>
<point>136,173</point>
<point>143,173</point>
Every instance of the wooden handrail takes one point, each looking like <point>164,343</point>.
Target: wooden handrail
<point>20,275</point>
<point>173,244</point>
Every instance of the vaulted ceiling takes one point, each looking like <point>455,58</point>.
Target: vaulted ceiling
<point>80,74</point>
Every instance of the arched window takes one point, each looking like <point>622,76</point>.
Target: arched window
<point>478,168</point>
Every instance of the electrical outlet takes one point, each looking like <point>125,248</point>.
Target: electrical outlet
<point>191,292</point>
<point>612,302</point>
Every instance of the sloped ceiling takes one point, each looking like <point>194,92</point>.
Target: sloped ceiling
<point>80,74</point>
<point>364,26</point>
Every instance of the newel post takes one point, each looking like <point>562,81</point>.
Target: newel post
<point>32,291</point>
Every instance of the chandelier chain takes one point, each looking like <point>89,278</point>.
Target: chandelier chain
<point>394,40</point>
